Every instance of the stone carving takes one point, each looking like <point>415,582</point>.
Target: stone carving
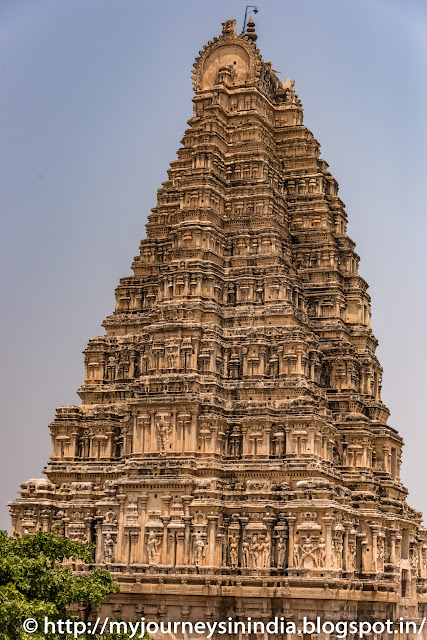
<point>311,553</point>
<point>108,549</point>
<point>152,547</point>
<point>162,432</point>
<point>229,28</point>
<point>281,552</point>
<point>237,383</point>
<point>234,550</point>
<point>199,546</point>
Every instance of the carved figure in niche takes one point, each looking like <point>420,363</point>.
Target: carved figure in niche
<point>171,357</point>
<point>231,294</point>
<point>111,368</point>
<point>254,550</point>
<point>234,552</point>
<point>123,367</point>
<point>152,546</point>
<point>108,549</point>
<point>235,443</point>
<point>321,553</point>
<point>266,548</point>
<point>110,518</point>
<point>296,556</point>
<point>199,546</point>
<point>309,551</point>
<point>119,446</point>
<point>162,433</point>
<point>273,366</point>
<point>279,444</point>
<point>281,552</point>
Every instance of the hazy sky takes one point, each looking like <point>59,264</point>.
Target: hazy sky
<point>94,99</point>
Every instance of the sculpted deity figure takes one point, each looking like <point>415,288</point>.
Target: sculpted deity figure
<point>108,549</point>
<point>321,553</point>
<point>199,546</point>
<point>234,553</point>
<point>281,552</point>
<point>162,433</point>
<point>111,368</point>
<point>254,549</point>
<point>266,547</point>
<point>308,550</point>
<point>296,556</point>
<point>152,546</point>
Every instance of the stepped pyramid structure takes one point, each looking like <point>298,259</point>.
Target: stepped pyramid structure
<point>231,455</point>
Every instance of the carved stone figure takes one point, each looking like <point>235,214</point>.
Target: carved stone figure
<point>162,432</point>
<point>266,550</point>
<point>152,546</point>
<point>297,555</point>
<point>234,550</point>
<point>321,553</point>
<point>108,549</point>
<point>199,546</point>
<point>246,553</point>
<point>281,552</point>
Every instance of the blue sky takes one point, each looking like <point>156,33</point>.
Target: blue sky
<point>94,99</point>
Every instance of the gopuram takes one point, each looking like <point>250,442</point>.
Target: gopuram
<point>231,455</point>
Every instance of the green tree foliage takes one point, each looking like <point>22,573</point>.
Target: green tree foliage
<point>34,583</point>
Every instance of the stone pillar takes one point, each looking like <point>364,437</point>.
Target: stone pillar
<point>374,560</point>
<point>346,560</point>
<point>120,536</point>
<point>133,544</point>
<point>387,458</point>
<point>287,440</point>
<point>142,508</point>
<point>187,538</point>
<point>180,546</point>
<point>152,432</point>
<point>328,520</point>
<point>88,528</point>
<point>244,361</point>
<point>210,555</point>
<point>164,550</point>
<point>393,533</point>
<point>193,440</point>
<point>73,444</point>
<point>364,546</point>
<point>172,547</point>
<point>299,361</point>
<point>99,541</point>
<point>109,444</point>
<point>291,525</point>
<point>311,431</point>
<point>261,369</point>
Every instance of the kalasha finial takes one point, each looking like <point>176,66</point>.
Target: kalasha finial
<point>250,31</point>
<point>250,8</point>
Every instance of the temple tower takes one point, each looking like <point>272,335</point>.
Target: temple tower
<point>231,455</point>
